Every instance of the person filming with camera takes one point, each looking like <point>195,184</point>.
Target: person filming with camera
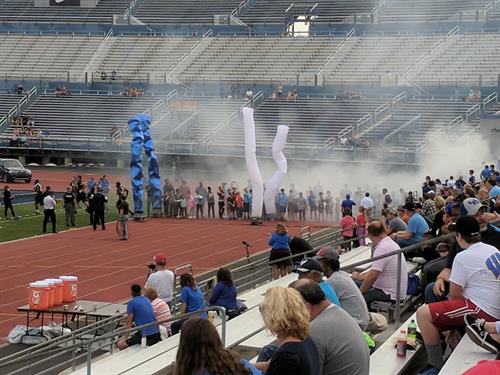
<point>161,279</point>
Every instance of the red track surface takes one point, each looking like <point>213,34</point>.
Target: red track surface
<point>106,266</point>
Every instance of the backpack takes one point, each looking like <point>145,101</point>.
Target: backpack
<point>413,287</point>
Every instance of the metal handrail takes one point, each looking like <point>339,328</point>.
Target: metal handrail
<point>348,36</point>
<point>402,127</point>
<point>489,98</point>
<point>109,34</point>
<point>363,120</point>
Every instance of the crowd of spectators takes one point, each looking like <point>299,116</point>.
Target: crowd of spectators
<point>24,125</point>
<point>350,96</point>
<point>279,93</point>
<point>133,92</point>
<point>473,96</point>
<point>61,90</point>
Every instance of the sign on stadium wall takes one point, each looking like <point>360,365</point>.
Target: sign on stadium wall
<point>64,3</point>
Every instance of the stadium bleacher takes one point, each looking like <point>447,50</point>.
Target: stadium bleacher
<point>25,11</point>
<point>90,116</point>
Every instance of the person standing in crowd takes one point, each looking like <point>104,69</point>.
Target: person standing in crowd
<point>201,196</point>
<point>210,202</point>
<point>49,212</point>
<point>191,299</point>
<point>282,204</point>
<point>361,220</point>
<point>91,183</point>
<point>286,316</point>
<point>379,282</point>
<point>201,352</point>
<point>123,208</point>
<point>247,202</point>
<point>485,173</point>
<point>224,293</point>
<point>368,204</point>
<point>387,198</point>
<point>161,310</point>
<point>338,339</point>
<point>347,203</point>
<point>37,187</point>
<point>7,202</point>
<point>89,202</point>
<point>121,190</point>
<point>301,207</point>
<point>279,242</point>
<point>69,204</point>
<point>162,279</point>
<point>221,196</point>
<point>329,205</point>
<point>313,208</point>
<point>348,225</point>
<point>99,205</point>
<point>321,207</point>
<point>139,312</point>
<point>168,198</point>
<point>104,184</point>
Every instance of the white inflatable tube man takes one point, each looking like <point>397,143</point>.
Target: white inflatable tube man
<point>275,181</point>
<point>251,161</point>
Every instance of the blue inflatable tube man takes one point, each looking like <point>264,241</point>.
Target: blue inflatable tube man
<point>141,137</point>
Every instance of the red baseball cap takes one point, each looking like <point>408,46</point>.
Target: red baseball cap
<point>160,258</point>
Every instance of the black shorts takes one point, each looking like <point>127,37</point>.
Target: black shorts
<point>150,340</point>
<point>246,207</point>
<point>277,254</point>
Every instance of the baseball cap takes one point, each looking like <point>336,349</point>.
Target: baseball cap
<point>393,211</point>
<point>308,264</point>
<point>409,206</point>
<point>467,226</point>
<point>160,258</point>
<point>472,205</point>
<point>327,252</point>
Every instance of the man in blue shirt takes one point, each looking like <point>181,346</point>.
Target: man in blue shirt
<point>417,227</point>
<point>282,203</point>
<point>347,203</point>
<point>485,173</point>
<point>311,269</point>
<point>140,312</point>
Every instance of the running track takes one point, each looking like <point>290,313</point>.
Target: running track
<point>106,266</point>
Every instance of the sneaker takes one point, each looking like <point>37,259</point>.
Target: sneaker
<point>430,371</point>
<point>474,327</point>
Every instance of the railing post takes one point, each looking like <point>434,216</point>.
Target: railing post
<point>398,286</point>
<point>89,358</point>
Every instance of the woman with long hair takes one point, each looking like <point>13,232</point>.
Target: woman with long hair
<point>279,242</point>
<point>201,352</point>
<point>224,293</point>
<point>191,299</point>
<point>286,316</point>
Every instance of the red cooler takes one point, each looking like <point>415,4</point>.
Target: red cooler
<point>38,295</point>
<point>58,292</point>
<point>70,288</point>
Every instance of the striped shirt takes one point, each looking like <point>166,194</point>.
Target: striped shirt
<point>162,312</point>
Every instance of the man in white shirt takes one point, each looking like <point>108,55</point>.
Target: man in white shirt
<point>474,289</point>
<point>368,204</point>
<point>49,211</point>
<point>379,283</point>
<point>162,280</point>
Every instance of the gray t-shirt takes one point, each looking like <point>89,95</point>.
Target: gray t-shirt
<point>163,282</point>
<point>397,225</point>
<point>351,299</point>
<point>341,347</point>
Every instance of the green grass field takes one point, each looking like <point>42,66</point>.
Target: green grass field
<point>29,223</point>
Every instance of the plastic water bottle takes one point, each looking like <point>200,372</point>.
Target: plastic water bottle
<point>412,334</point>
<point>401,344</point>
<point>143,341</point>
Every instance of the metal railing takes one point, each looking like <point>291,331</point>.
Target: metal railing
<point>351,33</point>
<point>399,129</point>
<point>490,98</point>
<point>85,70</point>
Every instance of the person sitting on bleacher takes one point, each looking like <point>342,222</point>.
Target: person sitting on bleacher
<point>379,282</point>
<point>311,269</point>
<point>201,352</point>
<point>473,287</point>
<point>224,293</point>
<point>286,316</point>
<point>161,310</point>
<point>338,339</point>
<point>417,227</point>
<point>483,333</point>
<point>139,312</point>
<point>191,299</point>
<point>349,295</point>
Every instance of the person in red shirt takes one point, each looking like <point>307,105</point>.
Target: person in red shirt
<point>361,222</point>
<point>348,224</point>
